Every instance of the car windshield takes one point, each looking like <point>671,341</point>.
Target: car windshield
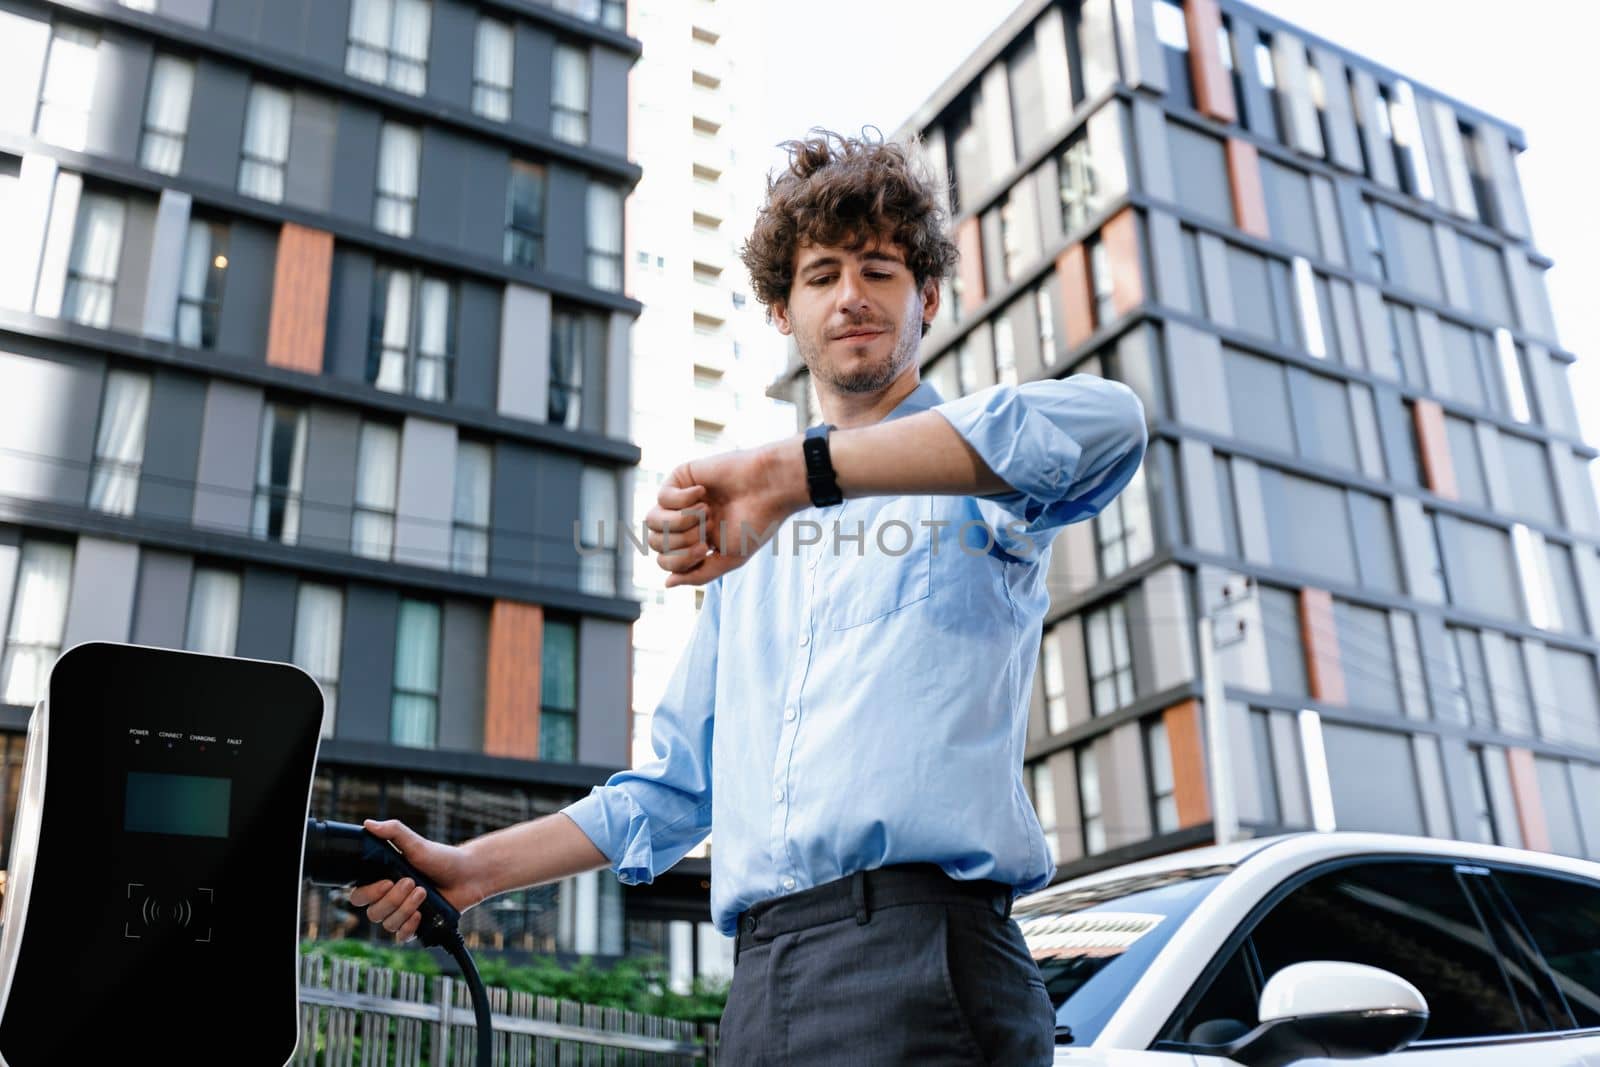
<point>1093,944</point>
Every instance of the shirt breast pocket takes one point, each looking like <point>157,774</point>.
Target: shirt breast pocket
<point>890,571</point>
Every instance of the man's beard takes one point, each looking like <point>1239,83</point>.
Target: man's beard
<point>863,378</point>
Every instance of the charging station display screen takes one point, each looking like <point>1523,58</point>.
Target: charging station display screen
<point>189,804</point>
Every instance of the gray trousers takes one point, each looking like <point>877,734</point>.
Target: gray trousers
<point>897,966</point>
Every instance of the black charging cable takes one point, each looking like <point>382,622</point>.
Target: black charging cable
<point>342,854</point>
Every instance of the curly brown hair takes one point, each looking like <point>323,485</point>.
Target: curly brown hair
<point>844,192</point>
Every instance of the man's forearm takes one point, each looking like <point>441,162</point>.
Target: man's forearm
<point>532,853</point>
<point>918,454</point>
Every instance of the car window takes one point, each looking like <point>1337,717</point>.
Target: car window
<point>1411,919</point>
<point>1093,945</point>
<point>1563,918</point>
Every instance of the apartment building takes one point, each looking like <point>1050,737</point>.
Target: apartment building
<point>1319,277</point>
<point>314,347</point>
<point>703,353</point>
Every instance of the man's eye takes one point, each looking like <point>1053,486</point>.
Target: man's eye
<point>822,279</point>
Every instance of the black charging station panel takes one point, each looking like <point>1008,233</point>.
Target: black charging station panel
<point>162,917</point>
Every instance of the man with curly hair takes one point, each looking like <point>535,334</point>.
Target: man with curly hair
<point>851,712</point>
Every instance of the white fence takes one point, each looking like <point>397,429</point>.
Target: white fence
<point>353,1014</point>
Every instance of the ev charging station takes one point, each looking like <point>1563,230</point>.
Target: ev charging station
<point>153,902</point>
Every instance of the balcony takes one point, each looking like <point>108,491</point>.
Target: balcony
<point>712,248</point>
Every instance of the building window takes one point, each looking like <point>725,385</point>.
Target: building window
<point>119,443</point>
<point>266,143</point>
<point>1044,806</point>
<point>1019,238</point>
<point>573,335</point>
<point>413,351</point>
<point>1047,322</point>
<point>377,479</point>
<point>1079,186</point>
<point>1512,358</point>
<point>469,530</point>
<point>399,157</point>
<point>1479,172</point>
<point>92,271</point>
<point>1094,826</point>
<point>605,237</point>
<point>1100,277</point>
<point>389,43</point>
<point>1055,684</point>
<point>1405,342</point>
<point>1026,81</point>
<point>318,636</point>
<point>1158,761</point>
<point>213,625</point>
<point>1533,568</point>
<point>205,269</point>
<point>525,215</point>
<point>1266,73</point>
<point>1483,808</point>
<point>612,14</point>
<point>1123,532</point>
<point>1469,681</point>
<point>1228,52</point>
<point>38,621</point>
<point>1398,119</point>
<point>492,68</point>
<point>166,115</point>
<point>414,714</point>
<point>597,529</point>
<point>68,94</point>
<point>1172,30</point>
<point>569,95</point>
<point>280,474</point>
<point>1005,352</point>
<point>558,698</point>
<point>1110,663</point>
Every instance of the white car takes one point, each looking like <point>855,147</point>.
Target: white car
<point>1313,947</point>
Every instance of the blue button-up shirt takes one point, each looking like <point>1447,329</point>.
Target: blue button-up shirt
<point>860,698</point>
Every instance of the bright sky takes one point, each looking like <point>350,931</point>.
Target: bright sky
<point>844,64</point>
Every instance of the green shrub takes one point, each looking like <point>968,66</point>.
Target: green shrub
<point>631,984</point>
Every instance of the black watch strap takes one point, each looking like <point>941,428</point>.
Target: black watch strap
<point>820,477</point>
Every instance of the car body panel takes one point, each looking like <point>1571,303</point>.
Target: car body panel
<point>1259,867</point>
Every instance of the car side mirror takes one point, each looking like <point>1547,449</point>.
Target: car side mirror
<point>1336,1010</point>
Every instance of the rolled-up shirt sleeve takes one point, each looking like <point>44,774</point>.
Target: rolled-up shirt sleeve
<point>1066,447</point>
<point>648,818</point>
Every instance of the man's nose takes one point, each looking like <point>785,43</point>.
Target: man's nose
<point>852,294</point>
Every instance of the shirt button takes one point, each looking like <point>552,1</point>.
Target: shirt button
<point>777,795</point>
<point>805,639</point>
<point>788,714</point>
<point>788,883</point>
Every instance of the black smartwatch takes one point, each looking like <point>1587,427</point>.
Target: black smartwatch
<point>820,478</point>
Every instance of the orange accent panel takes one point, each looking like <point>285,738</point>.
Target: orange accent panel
<point>1120,238</point>
<point>511,704</point>
<point>1530,804</point>
<point>300,284</point>
<point>1188,763</point>
<point>1434,444</point>
<point>969,241</point>
<point>1213,86</point>
<point>1077,296</point>
<point>1244,175</point>
<point>1320,636</point>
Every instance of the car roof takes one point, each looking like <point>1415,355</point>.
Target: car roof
<point>1312,847</point>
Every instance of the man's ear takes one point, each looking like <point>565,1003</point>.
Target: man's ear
<point>780,317</point>
<point>930,301</point>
